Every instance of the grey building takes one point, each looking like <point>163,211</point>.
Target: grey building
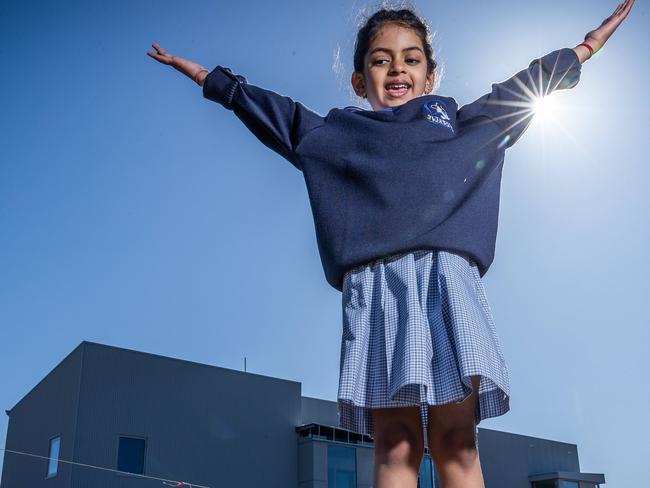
<point>132,419</point>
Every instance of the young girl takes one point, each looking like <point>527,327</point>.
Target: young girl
<point>405,203</point>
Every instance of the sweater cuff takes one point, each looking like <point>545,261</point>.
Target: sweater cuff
<point>220,86</point>
<point>570,57</point>
<point>568,63</point>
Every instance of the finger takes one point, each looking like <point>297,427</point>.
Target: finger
<point>623,7</point>
<point>158,48</point>
<point>615,14</point>
<point>628,7</point>
<point>622,12</point>
<point>157,57</point>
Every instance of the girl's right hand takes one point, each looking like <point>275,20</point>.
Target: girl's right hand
<point>163,56</point>
<point>190,69</point>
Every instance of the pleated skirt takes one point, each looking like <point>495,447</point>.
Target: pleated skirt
<point>416,327</point>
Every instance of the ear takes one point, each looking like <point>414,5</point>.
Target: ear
<point>428,87</point>
<point>358,84</point>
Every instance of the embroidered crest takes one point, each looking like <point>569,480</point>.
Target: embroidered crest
<point>436,113</point>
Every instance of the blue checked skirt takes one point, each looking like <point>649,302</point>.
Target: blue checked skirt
<point>416,326</point>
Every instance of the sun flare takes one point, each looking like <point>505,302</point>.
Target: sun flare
<point>545,108</point>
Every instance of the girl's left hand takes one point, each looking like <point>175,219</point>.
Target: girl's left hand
<point>598,37</point>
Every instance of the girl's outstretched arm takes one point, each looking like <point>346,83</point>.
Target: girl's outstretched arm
<point>277,121</point>
<point>598,37</point>
<point>511,103</point>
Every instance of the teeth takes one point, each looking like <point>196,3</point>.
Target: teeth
<point>398,86</point>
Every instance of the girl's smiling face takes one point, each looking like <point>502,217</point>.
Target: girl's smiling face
<point>395,68</point>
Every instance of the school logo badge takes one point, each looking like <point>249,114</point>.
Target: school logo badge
<point>435,111</point>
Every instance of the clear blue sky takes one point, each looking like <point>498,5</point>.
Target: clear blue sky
<point>136,213</point>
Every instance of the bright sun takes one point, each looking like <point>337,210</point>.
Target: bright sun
<point>545,108</point>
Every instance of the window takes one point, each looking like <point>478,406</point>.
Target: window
<point>130,455</point>
<point>544,484</point>
<point>341,467</point>
<point>53,455</point>
<point>569,484</point>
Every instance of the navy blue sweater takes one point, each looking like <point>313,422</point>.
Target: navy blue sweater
<point>422,175</point>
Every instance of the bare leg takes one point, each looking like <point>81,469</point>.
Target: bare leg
<point>399,447</point>
<point>452,442</point>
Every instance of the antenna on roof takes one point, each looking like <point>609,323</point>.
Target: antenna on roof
<point>244,364</point>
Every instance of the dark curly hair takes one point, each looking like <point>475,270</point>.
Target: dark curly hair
<point>403,17</point>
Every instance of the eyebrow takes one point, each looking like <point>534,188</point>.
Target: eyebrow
<point>389,51</point>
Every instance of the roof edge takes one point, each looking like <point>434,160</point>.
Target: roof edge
<point>79,346</point>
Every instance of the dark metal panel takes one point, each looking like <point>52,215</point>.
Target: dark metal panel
<point>365,467</point>
<point>571,476</point>
<point>324,412</point>
<point>320,463</point>
<point>507,460</point>
<point>47,411</point>
<point>305,462</point>
<point>202,424</point>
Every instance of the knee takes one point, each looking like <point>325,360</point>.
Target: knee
<point>456,444</point>
<point>398,444</point>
